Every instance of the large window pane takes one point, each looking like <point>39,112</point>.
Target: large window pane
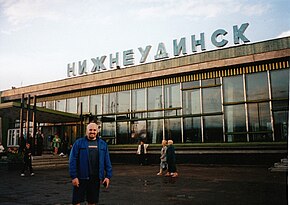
<point>96,104</point>
<point>110,102</point>
<point>60,105</point>
<point>281,112</point>
<point>155,131</point>
<point>71,105</point>
<point>280,83</point>
<point>84,101</point>
<point>172,96</point>
<point>211,99</point>
<point>49,105</point>
<point>233,89</point>
<point>108,132</point>
<point>155,101</point>
<point>259,121</point>
<point>235,118</point>
<point>138,100</point>
<point>213,128</point>
<point>257,86</point>
<point>192,130</point>
<point>173,130</point>
<point>123,133</point>
<point>138,131</point>
<point>191,101</point>
<point>123,104</point>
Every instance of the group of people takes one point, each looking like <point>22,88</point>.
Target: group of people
<point>167,159</point>
<point>90,165</point>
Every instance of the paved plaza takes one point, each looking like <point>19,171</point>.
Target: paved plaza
<point>133,184</point>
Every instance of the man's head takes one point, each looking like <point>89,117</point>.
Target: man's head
<point>92,130</point>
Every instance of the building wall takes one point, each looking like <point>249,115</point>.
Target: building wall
<point>237,94</point>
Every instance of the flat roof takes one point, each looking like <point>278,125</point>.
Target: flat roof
<point>12,110</point>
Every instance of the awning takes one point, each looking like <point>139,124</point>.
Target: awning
<point>12,110</point>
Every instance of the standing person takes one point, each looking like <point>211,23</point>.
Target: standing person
<point>56,142</point>
<point>1,148</point>
<point>171,160</point>
<point>64,146</point>
<point>39,139</point>
<point>163,161</point>
<point>27,159</point>
<point>89,166</point>
<point>142,152</point>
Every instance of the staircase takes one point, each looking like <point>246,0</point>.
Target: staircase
<point>49,161</point>
<point>281,166</point>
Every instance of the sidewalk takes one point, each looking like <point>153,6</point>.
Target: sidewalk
<point>133,184</point>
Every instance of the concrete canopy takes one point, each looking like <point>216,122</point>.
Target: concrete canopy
<point>11,110</point>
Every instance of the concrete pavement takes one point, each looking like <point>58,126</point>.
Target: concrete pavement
<point>134,184</point>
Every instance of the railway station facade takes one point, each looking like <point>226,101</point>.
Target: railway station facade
<point>229,95</point>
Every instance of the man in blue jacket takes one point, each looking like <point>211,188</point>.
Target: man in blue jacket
<point>89,165</point>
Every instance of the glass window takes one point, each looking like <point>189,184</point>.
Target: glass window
<point>108,132</point>
<point>235,118</point>
<point>259,121</point>
<point>155,101</point>
<point>190,85</point>
<point>85,103</point>
<point>213,128</point>
<point>236,138</point>
<point>96,104</point>
<point>257,86</point>
<point>210,82</point>
<point>233,89</point>
<point>191,101</point>
<point>211,99</point>
<point>155,131</point>
<point>280,113</point>
<point>138,100</point>
<point>155,98</point>
<point>280,83</point>
<point>71,105</point>
<point>172,96</point>
<point>192,129</point>
<point>110,101</point>
<point>60,105</point>
<point>49,105</point>
<point>123,104</point>
<point>173,129</point>
<point>138,131</point>
<point>123,133</point>
<point>259,117</point>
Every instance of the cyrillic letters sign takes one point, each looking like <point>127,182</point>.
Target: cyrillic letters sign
<point>179,47</point>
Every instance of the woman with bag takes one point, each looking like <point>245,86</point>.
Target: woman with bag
<point>163,163</point>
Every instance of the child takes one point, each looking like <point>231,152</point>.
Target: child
<point>163,163</point>
<point>27,159</point>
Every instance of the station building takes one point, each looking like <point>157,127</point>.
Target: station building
<point>238,94</point>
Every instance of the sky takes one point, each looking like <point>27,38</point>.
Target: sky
<point>39,38</point>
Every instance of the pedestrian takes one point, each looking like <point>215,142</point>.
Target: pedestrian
<point>89,166</point>
<point>56,142</point>
<point>171,160</point>
<point>142,152</point>
<point>64,146</point>
<point>39,139</point>
<point>163,161</point>
<point>1,148</point>
<point>27,160</point>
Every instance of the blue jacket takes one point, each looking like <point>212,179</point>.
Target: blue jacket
<point>79,160</point>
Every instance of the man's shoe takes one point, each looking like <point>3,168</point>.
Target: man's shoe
<point>32,174</point>
<point>22,175</point>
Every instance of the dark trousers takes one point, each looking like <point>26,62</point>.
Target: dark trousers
<point>27,166</point>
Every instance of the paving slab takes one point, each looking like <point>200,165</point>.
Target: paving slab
<point>134,185</point>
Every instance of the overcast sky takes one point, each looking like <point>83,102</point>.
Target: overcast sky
<point>39,38</point>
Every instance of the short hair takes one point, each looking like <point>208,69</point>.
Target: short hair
<point>170,142</point>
